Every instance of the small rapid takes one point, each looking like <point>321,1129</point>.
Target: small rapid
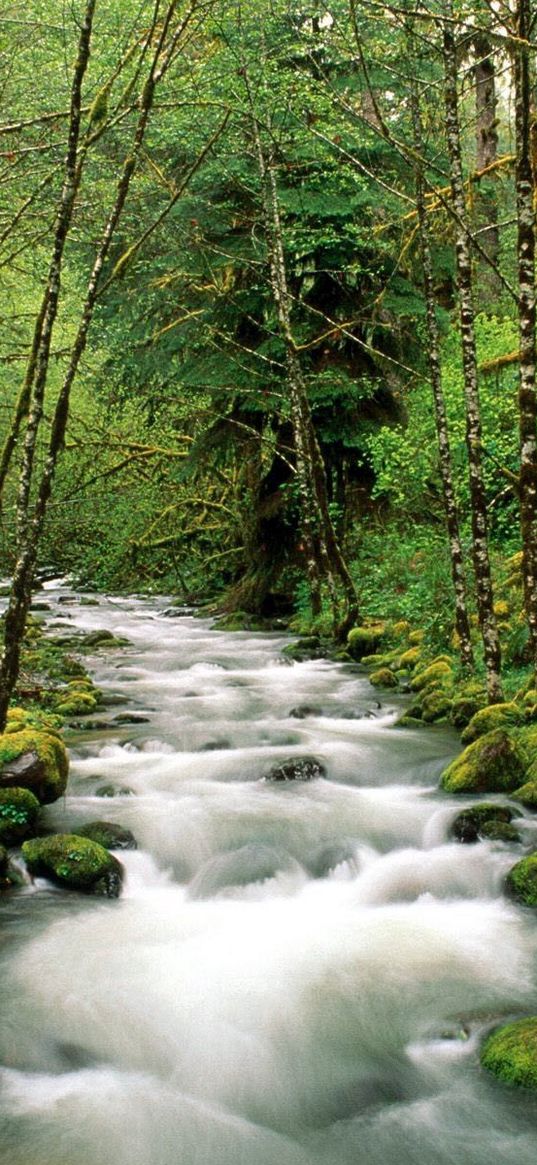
<point>297,972</point>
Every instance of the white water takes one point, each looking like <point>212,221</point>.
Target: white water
<point>296,974</point>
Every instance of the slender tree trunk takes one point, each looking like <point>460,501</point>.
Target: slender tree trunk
<point>462,623</point>
<point>29,531</point>
<point>486,155</point>
<point>483,576</point>
<point>526,318</point>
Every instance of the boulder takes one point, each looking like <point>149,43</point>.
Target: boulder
<point>309,647</point>
<point>383,677</point>
<point>19,811</point>
<point>107,834</point>
<point>495,716</point>
<point>114,791</point>
<point>510,1053</point>
<point>476,821</point>
<point>365,640</point>
<point>494,764</point>
<point>301,768</point>
<point>521,881</point>
<point>75,863</point>
<point>438,673</point>
<point>36,760</point>
<point>464,707</point>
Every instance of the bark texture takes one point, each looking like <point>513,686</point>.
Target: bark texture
<point>483,577</point>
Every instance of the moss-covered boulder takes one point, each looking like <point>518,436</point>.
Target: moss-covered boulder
<point>474,822</point>
<point>526,794</point>
<point>365,640</point>
<point>75,703</point>
<point>383,677</point>
<point>499,831</point>
<point>19,811</point>
<point>107,834</point>
<point>521,881</point>
<point>510,1053</point>
<point>35,760</point>
<point>495,716</point>
<point>439,672</point>
<point>75,863</point>
<point>495,764</point>
<point>309,647</point>
<point>410,658</point>
<point>435,705</point>
<point>464,707</point>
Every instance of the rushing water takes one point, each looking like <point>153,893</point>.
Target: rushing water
<point>296,973</point>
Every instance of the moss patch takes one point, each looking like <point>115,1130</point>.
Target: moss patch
<point>439,672</point>
<point>487,719</point>
<point>74,862</point>
<point>383,678</point>
<point>47,779</point>
<point>521,881</point>
<point>474,822</point>
<point>19,810</point>
<point>365,640</point>
<point>510,1053</point>
<point>495,763</point>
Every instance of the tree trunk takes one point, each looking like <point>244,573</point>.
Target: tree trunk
<point>526,319</point>
<point>483,577</point>
<point>486,154</point>
<point>444,452</point>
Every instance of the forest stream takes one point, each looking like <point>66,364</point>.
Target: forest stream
<point>298,972</point>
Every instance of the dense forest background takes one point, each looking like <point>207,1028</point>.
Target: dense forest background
<point>268,324</point>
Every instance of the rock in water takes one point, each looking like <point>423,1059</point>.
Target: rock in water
<point>75,863</point>
<point>19,810</point>
<point>109,835</point>
<point>511,1053</point>
<point>301,768</point>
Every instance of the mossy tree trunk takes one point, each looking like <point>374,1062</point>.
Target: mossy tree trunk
<point>462,623</point>
<point>482,569</point>
<point>527,396</point>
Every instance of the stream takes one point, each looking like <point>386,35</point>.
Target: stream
<point>297,972</point>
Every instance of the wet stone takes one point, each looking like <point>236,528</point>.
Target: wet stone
<point>303,768</point>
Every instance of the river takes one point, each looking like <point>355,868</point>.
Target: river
<point>296,973</point>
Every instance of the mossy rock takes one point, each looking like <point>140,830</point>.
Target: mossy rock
<point>76,703</point>
<point>401,629</point>
<point>109,835</point>
<point>34,760</point>
<point>438,672</point>
<point>499,831</point>
<point>407,721</point>
<point>521,881</point>
<point>309,647</point>
<point>365,640</point>
<point>114,791</point>
<point>383,678</point>
<point>72,667</point>
<point>464,707</point>
<point>239,621</point>
<point>19,811</point>
<point>435,706</point>
<point>526,794</point>
<point>495,764</point>
<point>103,638</point>
<point>472,823</point>
<point>510,1053</point>
<point>380,659</point>
<point>416,637</point>
<point>410,658</point>
<point>74,862</point>
<point>495,716</point>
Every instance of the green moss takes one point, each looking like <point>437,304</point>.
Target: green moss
<point>383,678</point>
<point>499,831</point>
<point>408,722</point>
<point>464,707</point>
<point>439,672</point>
<point>526,794</point>
<point>475,822</point>
<point>50,781</point>
<point>410,658</point>
<point>75,862</point>
<point>510,1053</point>
<point>309,647</point>
<point>521,881</point>
<point>365,640</point>
<point>19,810</point>
<point>435,706</point>
<point>107,834</point>
<point>75,703</point>
<point>495,716</point>
<point>495,763</point>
